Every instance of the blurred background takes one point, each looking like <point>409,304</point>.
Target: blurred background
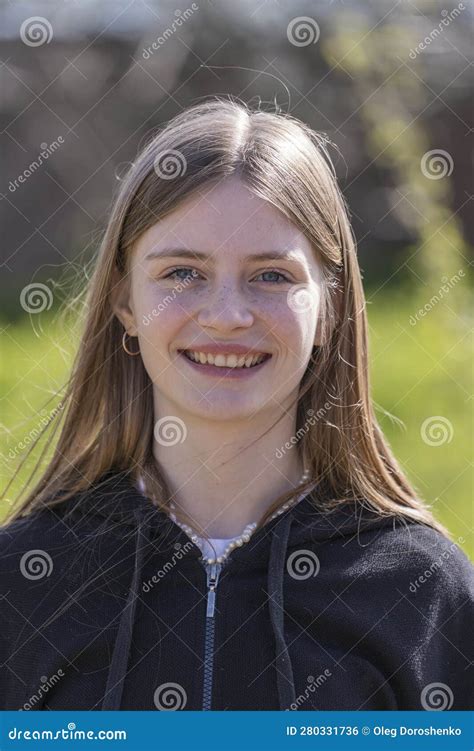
<point>86,83</point>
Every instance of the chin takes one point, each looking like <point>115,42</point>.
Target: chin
<point>222,408</point>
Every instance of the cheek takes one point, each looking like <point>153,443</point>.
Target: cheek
<point>160,311</point>
<point>293,328</point>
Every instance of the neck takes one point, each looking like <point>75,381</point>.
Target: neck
<point>220,484</point>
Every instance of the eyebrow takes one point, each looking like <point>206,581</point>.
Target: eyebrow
<point>271,255</point>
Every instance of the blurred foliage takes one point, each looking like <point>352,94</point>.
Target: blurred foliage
<point>354,75</point>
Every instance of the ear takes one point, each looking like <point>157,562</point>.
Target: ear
<point>120,300</point>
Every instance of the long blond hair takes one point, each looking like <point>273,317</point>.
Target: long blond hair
<point>106,422</point>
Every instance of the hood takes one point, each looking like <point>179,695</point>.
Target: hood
<point>116,501</point>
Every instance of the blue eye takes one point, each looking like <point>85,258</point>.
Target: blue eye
<point>181,268</point>
<point>193,273</point>
<point>284,278</point>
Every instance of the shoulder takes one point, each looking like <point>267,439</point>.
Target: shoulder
<point>40,529</point>
<point>49,554</point>
<point>36,566</point>
<point>418,564</point>
<point>36,552</point>
<point>45,552</point>
<point>59,525</point>
<point>417,554</point>
<point>364,546</point>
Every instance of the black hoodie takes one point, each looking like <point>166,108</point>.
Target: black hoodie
<point>105,605</point>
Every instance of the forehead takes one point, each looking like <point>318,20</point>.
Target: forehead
<point>226,217</point>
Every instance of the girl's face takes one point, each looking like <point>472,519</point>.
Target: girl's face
<point>222,296</point>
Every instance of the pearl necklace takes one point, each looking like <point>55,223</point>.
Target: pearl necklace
<point>248,531</point>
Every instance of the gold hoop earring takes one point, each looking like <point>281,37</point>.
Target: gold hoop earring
<point>125,346</point>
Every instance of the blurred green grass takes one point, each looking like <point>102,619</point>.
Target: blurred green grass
<point>420,373</point>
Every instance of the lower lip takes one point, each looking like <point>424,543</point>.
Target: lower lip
<point>215,370</point>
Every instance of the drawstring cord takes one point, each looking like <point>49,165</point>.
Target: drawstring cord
<point>285,681</point>
<point>121,654</point>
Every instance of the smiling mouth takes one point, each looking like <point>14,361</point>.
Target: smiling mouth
<point>223,366</point>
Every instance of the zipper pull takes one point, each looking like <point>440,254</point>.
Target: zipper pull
<point>213,571</point>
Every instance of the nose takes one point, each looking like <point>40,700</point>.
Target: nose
<point>226,308</point>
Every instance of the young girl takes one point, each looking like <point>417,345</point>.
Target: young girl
<point>223,525</point>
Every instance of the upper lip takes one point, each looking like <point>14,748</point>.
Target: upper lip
<point>225,349</point>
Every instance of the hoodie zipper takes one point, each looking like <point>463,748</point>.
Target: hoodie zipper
<point>213,571</point>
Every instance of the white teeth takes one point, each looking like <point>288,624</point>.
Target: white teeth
<point>225,361</point>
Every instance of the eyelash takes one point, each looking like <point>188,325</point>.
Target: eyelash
<point>269,271</point>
